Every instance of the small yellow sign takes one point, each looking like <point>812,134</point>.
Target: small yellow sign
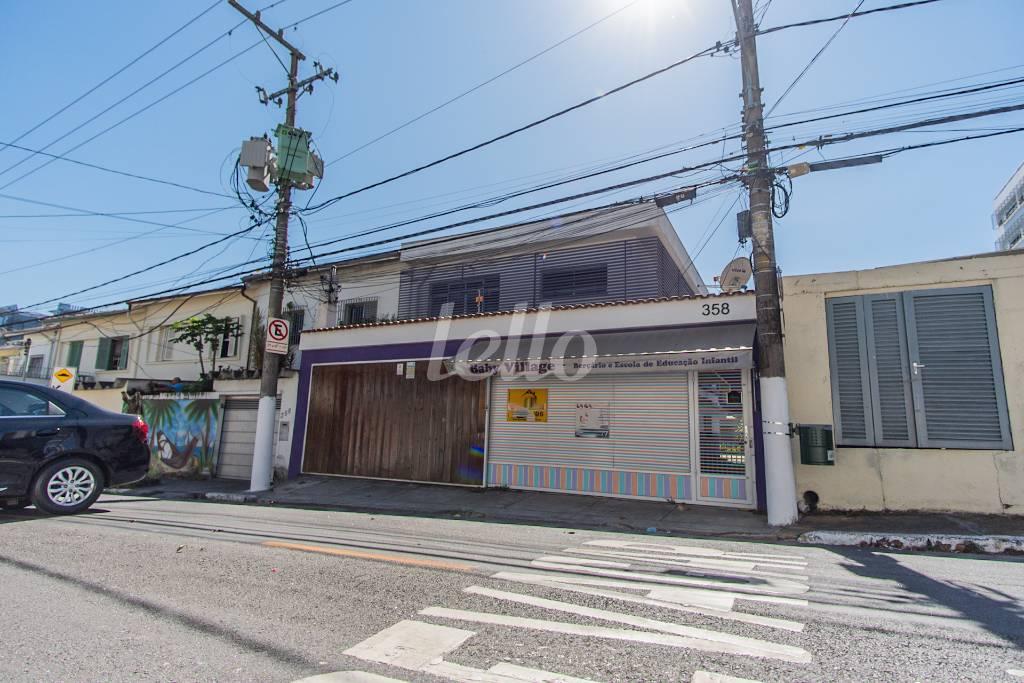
<point>63,375</point>
<point>527,405</point>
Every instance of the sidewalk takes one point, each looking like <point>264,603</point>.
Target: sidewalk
<point>906,531</point>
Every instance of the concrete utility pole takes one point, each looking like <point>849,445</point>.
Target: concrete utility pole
<point>778,461</point>
<point>266,416</point>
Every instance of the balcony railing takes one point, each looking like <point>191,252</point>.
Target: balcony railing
<point>18,373</point>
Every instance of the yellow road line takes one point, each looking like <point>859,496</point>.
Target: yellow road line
<point>361,555</point>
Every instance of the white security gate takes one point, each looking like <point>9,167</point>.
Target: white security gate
<point>238,437</point>
<point>724,437</point>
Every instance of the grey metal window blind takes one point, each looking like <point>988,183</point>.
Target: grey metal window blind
<point>917,369</point>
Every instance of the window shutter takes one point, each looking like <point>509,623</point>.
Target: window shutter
<point>103,354</point>
<point>122,360</point>
<point>74,358</point>
<point>892,403</point>
<point>956,372</point>
<point>847,350</point>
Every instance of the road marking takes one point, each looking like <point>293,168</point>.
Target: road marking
<point>724,642</point>
<point>419,646</point>
<point>522,673</point>
<point>660,549</point>
<point>772,586</point>
<point>695,597</point>
<point>1019,673</point>
<point>361,555</point>
<point>349,677</point>
<point>726,614</point>
<point>410,644</point>
<point>708,677</point>
<point>694,565</point>
<point>785,653</point>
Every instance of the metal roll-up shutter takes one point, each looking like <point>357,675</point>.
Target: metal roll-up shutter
<point>644,452</point>
<point>238,437</point>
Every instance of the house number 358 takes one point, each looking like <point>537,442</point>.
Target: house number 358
<point>715,309</point>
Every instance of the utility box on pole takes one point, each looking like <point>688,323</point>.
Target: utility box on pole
<point>258,156</point>
<point>294,166</point>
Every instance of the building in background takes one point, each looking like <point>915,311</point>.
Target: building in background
<point>664,408</point>
<point>918,369</point>
<point>1008,213</point>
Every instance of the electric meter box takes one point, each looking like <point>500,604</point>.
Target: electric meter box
<point>816,447</point>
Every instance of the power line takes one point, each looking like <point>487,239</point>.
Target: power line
<point>148,268</point>
<point>115,213</point>
<point>116,216</point>
<point>819,142</point>
<point>824,47</point>
<point>105,169</point>
<point>447,227</point>
<point>903,103</point>
<point>112,76</point>
<point>844,17</point>
<point>486,82</point>
<point>703,53</point>
<point>159,100</point>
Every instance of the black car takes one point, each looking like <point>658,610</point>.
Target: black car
<point>58,452</point>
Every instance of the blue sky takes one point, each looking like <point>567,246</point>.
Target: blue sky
<point>399,58</point>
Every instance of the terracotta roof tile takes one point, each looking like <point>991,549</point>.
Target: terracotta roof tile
<point>532,309</point>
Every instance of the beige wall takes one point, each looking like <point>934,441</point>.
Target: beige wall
<point>108,399</point>
<point>153,358</point>
<point>907,479</point>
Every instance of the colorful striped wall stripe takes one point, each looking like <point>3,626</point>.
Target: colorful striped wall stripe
<point>723,487</point>
<point>587,480</point>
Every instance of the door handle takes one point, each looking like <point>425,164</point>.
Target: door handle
<point>48,432</point>
<point>917,367</point>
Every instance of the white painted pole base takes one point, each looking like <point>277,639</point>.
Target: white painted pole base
<point>263,452</point>
<point>780,481</point>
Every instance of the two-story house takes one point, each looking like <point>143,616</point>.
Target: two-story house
<point>579,354</point>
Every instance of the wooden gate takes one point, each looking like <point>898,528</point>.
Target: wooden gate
<point>369,421</point>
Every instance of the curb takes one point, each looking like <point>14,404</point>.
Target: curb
<point>945,543</point>
<point>244,498</point>
<point>232,497</point>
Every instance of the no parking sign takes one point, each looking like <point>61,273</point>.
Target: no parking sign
<point>278,332</point>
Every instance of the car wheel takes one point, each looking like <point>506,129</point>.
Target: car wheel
<point>67,486</point>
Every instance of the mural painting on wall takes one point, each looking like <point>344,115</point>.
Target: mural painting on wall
<point>183,434</point>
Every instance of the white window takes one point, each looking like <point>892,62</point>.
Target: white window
<point>230,342</point>
<point>165,347</point>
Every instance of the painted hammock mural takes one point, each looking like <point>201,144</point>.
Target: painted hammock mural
<point>183,434</point>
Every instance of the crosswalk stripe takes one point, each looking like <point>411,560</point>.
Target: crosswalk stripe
<point>419,646</point>
<point>708,677</point>
<point>349,677</point>
<point>660,549</point>
<point>725,614</point>
<point>725,567</point>
<point>781,652</point>
<point>752,644</point>
<point>696,597</point>
<point>772,586</point>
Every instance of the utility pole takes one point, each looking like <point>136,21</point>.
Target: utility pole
<point>778,460</point>
<point>266,416</point>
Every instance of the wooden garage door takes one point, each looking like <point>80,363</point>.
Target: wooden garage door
<point>368,421</point>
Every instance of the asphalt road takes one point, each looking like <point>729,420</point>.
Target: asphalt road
<point>151,590</point>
